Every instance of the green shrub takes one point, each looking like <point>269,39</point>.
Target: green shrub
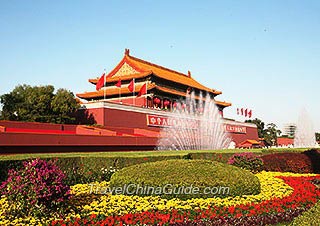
<point>219,157</point>
<point>79,170</point>
<point>246,160</point>
<point>180,174</point>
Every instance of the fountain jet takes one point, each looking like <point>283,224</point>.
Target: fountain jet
<point>197,125</point>
<point>305,133</point>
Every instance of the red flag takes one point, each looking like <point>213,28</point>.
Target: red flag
<point>101,82</point>
<point>241,111</point>
<point>143,90</point>
<point>250,113</point>
<point>246,113</point>
<point>119,83</point>
<point>131,86</point>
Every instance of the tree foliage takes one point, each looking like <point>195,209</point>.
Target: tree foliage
<point>269,132</point>
<point>259,124</point>
<point>318,136</point>
<point>39,104</point>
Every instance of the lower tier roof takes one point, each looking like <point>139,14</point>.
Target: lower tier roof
<point>109,92</point>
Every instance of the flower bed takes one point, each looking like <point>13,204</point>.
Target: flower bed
<point>283,196</point>
<point>267,209</point>
<point>305,162</point>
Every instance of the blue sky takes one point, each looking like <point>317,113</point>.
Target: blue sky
<point>263,55</point>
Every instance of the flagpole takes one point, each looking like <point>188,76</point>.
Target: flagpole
<point>134,99</point>
<point>146,98</point>
<point>104,84</point>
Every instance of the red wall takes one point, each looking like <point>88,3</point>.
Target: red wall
<point>97,113</point>
<point>38,126</point>
<point>121,118</point>
<point>56,137</point>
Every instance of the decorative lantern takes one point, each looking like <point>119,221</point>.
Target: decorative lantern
<point>166,103</point>
<point>156,100</point>
<point>174,105</point>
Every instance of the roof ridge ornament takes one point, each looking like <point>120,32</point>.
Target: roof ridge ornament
<point>189,74</point>
<point>127,52</point>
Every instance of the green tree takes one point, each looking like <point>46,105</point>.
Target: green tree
<point>64,106</point>
<point>318,136</point>
<point>269,133</point>
<point>39,104</point>
<point>259,124</point>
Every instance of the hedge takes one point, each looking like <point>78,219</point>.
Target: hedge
<point>179,175</point>
<point>85,169</point>
<point>305,162</point>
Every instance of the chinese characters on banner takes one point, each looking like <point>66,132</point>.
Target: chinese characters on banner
<point>235,129</point>
<point>163,121</point>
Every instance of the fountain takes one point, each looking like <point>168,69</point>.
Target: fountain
<point>305,134</point>
<point>195,126</point>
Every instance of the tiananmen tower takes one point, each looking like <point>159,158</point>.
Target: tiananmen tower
<point>164,87</point>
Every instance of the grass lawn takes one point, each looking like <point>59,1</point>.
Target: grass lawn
<point>135,154</point>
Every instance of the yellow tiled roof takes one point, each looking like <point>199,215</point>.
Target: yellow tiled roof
<point>110,91</point>
<point>123,78</point>
<point>146,68</point>
<point>250,141</point>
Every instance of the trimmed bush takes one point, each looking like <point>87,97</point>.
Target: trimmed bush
<point>314,156</point>
<point>36,189</point>
<point>305,162</point>
<point>246,160</point>
<point>219,157</point>
<point>172,175</point>
<point>81,170</point>
<point>87,169</point>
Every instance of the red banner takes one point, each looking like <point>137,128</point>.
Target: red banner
<point>235,129</point>
<point>163,121</point>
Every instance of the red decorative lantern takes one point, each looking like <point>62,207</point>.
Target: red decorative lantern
<point>174,104</point>
<point>156,100</point>
<point>166,103</point>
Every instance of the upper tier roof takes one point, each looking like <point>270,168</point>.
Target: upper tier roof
<point>138,68</point>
